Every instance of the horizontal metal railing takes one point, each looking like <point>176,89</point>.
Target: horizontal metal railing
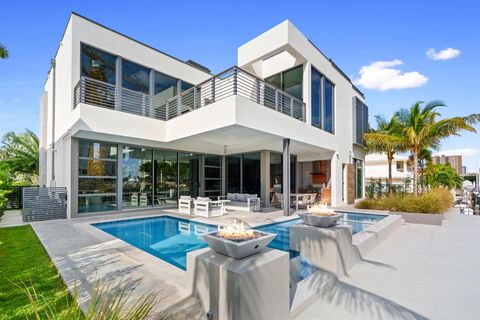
<point>233,81</point>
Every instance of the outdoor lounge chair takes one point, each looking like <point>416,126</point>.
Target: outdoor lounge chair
<point>185,204</point>
<point>205,207</point>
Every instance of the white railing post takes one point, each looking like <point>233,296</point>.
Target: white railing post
<point>167,107</point>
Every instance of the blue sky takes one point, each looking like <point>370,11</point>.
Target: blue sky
<point>352,33</point>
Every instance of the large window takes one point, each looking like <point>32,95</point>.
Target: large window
<point>165,178</point>
<point>137,174</point>
<point>213,175</point>
<point>251,173</point>
<point>323,102</point>
<point>290,81</point>
<point>360,120</point>
<point>316,99</point>
<point>189,180</point>
<point>135,77</point>
<point>165,86</point>
<point>276,172</point>
<point>234,173</point>
<point>328,106</point>
<point>97,64</point>
<point>97,177</point>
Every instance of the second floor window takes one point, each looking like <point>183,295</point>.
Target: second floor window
<point>360,121</point>
<point>323,102</point>
<point>97,64</point>
<point>135,77</point>
<point>290,81</point>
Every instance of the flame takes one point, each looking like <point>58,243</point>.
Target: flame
<point>235,230</point>
<point>320,209</point>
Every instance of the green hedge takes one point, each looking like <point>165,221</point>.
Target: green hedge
<point>434,201</point>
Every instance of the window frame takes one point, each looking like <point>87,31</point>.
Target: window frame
<point>323,78</point>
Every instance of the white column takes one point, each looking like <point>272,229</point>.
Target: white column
<point>336,180</point>
<point>265,177</point>
<point>307,89</point>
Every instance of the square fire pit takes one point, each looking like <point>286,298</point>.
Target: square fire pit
<point>320,221</point>
<point>237,241</point>
<point>319,215</point>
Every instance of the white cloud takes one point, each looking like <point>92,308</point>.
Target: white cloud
<point>445,54</point>
<point>466,152</point>
<point>382,76</point>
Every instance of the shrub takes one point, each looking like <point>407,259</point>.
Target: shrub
<point>434,201</point>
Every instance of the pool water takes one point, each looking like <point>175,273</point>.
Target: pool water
<point>170,239</point>
<point>165,237</point>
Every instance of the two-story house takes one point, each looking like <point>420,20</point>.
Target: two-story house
<point>125,126</point>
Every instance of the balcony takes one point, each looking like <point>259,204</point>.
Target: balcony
<point>233,81</point>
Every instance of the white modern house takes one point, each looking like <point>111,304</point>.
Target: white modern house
<point>376,167</point>
<point>124,126</point>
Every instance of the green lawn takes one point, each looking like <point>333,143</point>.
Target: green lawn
<point>23,258</point>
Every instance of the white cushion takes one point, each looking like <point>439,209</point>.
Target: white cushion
<point>203,199</point>
<point>231,196</point>
<point>185,197</point>
<point>250,196</point>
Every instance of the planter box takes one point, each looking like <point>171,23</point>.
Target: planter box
<point>319,221</point>
<point>239,249</point>
<point>421,218</point>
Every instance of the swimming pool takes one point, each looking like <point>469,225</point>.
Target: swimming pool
<point>170,238</point>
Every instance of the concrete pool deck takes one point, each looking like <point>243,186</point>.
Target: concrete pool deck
<point>418,272</point>
<point>84,255</point>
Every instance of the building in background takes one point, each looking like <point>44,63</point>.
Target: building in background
<point>376,167</point>
<point>455,161</point>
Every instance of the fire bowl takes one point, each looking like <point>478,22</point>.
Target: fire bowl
<point>237,248</point>
<point>320,221</point>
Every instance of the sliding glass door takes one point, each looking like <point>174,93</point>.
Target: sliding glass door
<point>165,178</point>
<point>189,180</point>
<point>137,177</point>
<point>97,177</point>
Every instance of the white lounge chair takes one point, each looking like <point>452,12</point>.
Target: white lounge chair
<point>134,200</point>
<point>185,204</point>
<point>143,200</point>
<point>205,207</point>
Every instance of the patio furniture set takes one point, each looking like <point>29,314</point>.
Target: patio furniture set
<point>298,200</point>
<point>206,207</point>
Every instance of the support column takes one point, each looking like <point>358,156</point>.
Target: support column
<point>265,177</point>
<point>286,177</point>
<point>224,176</point>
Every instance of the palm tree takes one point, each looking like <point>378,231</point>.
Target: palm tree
<point>422,130</point>
<point>3,52</point>
<point>385,139</point>
<point>20,152</point>
<point>424,162</point>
